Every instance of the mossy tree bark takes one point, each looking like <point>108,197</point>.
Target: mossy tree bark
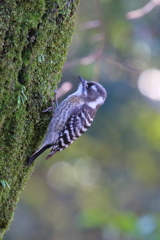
<point>34,37</point>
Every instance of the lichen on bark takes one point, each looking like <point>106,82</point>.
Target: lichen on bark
<point>34,39</point>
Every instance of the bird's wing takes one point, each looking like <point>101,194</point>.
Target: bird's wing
<point>78,123</point>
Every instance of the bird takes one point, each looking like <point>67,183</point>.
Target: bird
<point>72,117</point>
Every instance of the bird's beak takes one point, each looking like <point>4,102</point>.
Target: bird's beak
<point>82,80</point>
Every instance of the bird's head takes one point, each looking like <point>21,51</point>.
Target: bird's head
<point>93,93</point>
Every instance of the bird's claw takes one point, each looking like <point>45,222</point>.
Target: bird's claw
<point>54,103</point>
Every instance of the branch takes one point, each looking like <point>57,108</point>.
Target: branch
<point>143,11</point>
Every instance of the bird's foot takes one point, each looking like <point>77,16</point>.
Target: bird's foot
<point>54,103</point>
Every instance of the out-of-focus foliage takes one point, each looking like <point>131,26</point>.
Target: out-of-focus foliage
<point>106,186</point>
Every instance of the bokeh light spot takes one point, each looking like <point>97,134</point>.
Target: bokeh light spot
<point>149,84</point>
<point>66,87</point>
<point>147,224</point>
<point>87,171</point>
<point>60,176</point>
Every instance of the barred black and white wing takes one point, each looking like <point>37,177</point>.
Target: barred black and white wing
<point>78,123</point>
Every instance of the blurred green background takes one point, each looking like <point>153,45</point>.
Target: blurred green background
<point>106,185</point>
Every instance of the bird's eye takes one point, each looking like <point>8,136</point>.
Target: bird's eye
<point>89,85</point>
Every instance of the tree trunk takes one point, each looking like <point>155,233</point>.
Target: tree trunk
<point>34,37</point>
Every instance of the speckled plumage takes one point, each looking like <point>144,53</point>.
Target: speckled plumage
<point>60,116</point>
<point>72,117</point>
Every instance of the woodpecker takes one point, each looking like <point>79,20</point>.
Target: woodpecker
<point>72,117</point>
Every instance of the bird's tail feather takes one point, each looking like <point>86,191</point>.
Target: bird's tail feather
<point>51,153</point>
<point>37,153</point>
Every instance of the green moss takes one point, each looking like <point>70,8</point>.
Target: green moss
<point>34,42</point>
